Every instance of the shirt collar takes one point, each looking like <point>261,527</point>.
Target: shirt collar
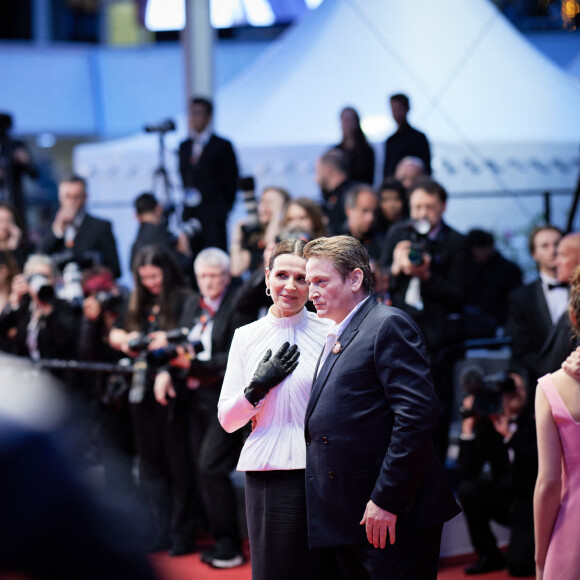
<point>337,329</point>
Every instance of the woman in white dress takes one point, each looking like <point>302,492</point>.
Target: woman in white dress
<point>272,392</point>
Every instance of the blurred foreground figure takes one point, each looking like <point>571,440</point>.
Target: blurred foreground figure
<point>51,525</point>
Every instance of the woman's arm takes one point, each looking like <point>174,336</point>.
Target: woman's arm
<point>234,410</point>
<point>549,483</point>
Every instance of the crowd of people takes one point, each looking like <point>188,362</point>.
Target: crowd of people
<point>224,341</point>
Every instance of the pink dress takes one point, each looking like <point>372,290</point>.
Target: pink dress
<point>563,557</point>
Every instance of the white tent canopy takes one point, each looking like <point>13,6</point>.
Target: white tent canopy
<point>499,114</point>
<point>501,118</point>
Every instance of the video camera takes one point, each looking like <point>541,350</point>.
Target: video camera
<point>163,127</point>
<point>488,391</point>
<point>419,230</point>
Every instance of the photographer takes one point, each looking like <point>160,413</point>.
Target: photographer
<point>39,324</point>
<point>76,235</point>
<point>165,475</point>
<point>108,393</point>
<point>252,235</point>
<point>153,230</point>
<point>426,260</point>
<point>498,430</point>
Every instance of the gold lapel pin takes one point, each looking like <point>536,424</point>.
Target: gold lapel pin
<point>336,347</point>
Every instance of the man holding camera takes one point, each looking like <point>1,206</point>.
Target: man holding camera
<point>425,260</point>
<point>212,320</point>
<point>209,172</point>
<point>77,236</point>
<point>505,439</point>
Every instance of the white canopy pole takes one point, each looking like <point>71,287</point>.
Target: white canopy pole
<point>197,39</point>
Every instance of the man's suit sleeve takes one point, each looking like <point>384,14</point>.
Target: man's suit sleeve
<point>403,370</point>
<point>230,174</point>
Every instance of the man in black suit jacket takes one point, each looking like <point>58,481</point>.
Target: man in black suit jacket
<point>406,141</point>
<point>561,340</point>
<point>426,279</point>
<point>212,318</point>
<point>77,236</point>
<point>209,172</point>
<point>369,424</point>
<point>536,307</point>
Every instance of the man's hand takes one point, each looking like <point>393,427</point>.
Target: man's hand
<point>378,522</point>
<point>185,354</point>
<point>163,388</point>
<point>571,366</point>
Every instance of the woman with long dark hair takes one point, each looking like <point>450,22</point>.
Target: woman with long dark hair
<point>165,470</point>
<point>358,151</point>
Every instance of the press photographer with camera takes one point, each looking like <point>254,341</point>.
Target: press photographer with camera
<point>40,324</point>
<point>252,234</point>
<point>425,260</point>
<point>498,465</point>
<point>155,307</point>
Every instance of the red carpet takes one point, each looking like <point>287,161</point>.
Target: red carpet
<point>192,568</point>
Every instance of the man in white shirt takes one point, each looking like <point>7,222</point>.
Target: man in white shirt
<point>537,306</point>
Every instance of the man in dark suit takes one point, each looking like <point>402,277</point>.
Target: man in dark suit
<point>209,172</point>
<point>376,492</point>
<point>406,141</point>
<point>213,320</point>
<point>561,340</point>
<point>536,307</point>
<point>75,235</point>
<point>426,261</point>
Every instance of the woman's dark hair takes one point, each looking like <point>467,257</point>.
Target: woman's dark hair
<point>7,259</point>
<point>314,213</point>
<point>141,299</point>
<point>290,246</point>
<point>18,220</point>
<point>359,135</point>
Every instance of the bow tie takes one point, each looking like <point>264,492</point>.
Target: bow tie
<point>557,285</point>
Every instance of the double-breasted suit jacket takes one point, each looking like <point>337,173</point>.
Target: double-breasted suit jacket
<point>368,429</point>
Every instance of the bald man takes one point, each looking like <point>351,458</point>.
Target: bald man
<point>560,342</point>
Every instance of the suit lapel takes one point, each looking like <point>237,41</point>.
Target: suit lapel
<point>344,339</point>
<point>540,299</point>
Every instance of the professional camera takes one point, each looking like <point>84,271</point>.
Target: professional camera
<point>41,286</point>
<point>248,188</point>
<point>419,230</point>
<point>108,300</point>
<point>488,391</point>
<point>155,358</point>
<point>161,356</point>
<point>163,127</point>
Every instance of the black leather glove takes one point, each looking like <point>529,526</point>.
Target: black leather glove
<point>271,371</point>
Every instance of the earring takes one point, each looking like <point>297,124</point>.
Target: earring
<point>268,293</point>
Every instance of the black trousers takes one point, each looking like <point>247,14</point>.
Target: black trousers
<point>165,472</point>
<point>215,454</point>
<point>277,526</point>
<point>414,556</point>
<point>483,501</point>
